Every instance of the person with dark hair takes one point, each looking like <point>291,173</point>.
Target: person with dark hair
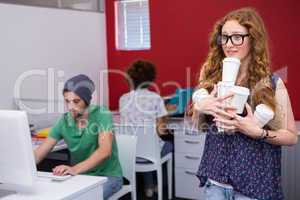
<point>141,74</point>
<point>142,106</point>
<point>243,162</point>
<point>87,131</point>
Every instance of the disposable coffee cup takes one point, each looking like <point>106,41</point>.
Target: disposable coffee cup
<point>230,69</point>
<point>239,98</point>
<point>199,95</point>
<point>263,114</point>
<point>224,88</point>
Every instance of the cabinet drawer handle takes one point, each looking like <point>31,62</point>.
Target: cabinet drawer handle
<point>192,157</point>
<point>191,142</point>
<point>191,134</point>
<point>191,173</point>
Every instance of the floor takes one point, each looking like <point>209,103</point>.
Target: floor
<point>141,194</point>
<point>140,188</point>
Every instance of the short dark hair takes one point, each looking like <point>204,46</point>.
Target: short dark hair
<point>141,73</point>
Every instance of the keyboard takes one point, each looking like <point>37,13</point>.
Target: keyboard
<point>49,175</point>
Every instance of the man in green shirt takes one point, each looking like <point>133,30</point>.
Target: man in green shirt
<point>87,131</point>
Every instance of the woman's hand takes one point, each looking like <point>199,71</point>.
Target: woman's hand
<point>214,106</point>
<point>63,170</point>
<point>246,125</point>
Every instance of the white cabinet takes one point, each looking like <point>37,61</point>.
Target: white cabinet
<point>189,147</point>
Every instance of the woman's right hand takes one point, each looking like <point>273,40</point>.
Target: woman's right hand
<point>212,105</point>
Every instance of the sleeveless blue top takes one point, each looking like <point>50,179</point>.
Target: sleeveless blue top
<point>252,167</point>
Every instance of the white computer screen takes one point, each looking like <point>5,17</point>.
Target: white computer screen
<point>17,164</point>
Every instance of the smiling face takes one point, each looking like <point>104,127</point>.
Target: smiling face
<point>239,35</point>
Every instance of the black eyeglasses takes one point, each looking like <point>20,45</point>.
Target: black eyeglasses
<point>236,39</point>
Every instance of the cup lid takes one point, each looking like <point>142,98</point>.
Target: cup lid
<point>198,94</point>
<point>240,90</point>
<point>231,59</point>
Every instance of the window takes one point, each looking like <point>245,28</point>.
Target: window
<point>132,24</point>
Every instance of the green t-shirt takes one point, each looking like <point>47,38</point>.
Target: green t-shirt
<point>82,142</point>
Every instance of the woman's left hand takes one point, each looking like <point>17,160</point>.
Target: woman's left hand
<point>246,125</point>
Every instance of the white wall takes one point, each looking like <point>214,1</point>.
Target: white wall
<point>49,40</point>
<point>73,4</point>
<point>51,3</point>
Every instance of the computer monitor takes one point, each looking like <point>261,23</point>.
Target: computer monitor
<point>180,99</point>
<point>17,164</point>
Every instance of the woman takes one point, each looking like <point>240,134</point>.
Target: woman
<point>142,106</point>
<point>87,131</point>
<point>245,162</point>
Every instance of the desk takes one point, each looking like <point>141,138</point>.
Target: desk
<point>59,146</point>
<point>80,187</point>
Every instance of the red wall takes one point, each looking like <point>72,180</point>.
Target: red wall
<point>179,40</point>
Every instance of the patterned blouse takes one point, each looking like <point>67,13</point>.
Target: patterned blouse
<point>252,167</point>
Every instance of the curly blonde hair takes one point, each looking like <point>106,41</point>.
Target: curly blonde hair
<point>258,70</point>
<point>259,79</point>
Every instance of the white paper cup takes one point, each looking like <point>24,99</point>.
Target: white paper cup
<point>240,98</point>
<point>224,88</point>
<point>263,114</point>
<point>230,70</point>
<point>199,95</point>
